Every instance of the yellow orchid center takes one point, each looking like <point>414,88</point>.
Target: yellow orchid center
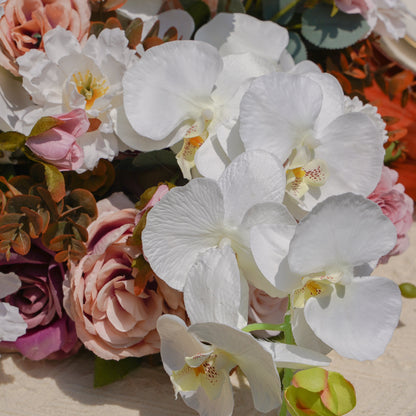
<point>314,285</point>
<point>90,87</point>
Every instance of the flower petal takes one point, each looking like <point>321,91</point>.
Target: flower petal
<point>235,33</point>
<point>251,178</point>
<point>277,111</point>
<point>357,320</point>
<point>184,223</point>
<point>171,83</point>
<point>343,230</point>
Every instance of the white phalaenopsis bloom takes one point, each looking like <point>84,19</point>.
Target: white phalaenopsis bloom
<point>184,91</point>
<point>12,325</point>
<point>199,360</point>
<point>241,210</point>
<point>302,118</point>
<point>237,33</point>
<point>327,274</point>
<point>68,76</point>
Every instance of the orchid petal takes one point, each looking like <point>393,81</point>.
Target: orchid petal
<point>293,356</point>
<point>251,178</point>
<point>185,222</point>
<point>212,291</point>
<point>357,320</point>
<point>12,325</point>
<point>142,8</point>
<point>179,19</point>
<point>277,111</point>
<point>240,33</point>
<point>343,230</point>
<point>173,81</point>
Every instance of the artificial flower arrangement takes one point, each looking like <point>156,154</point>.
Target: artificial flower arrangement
<point>179,179</point>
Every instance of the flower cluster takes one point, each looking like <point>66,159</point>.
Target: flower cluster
<point>189,185</point>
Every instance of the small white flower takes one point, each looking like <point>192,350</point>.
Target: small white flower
<point>67,76</point>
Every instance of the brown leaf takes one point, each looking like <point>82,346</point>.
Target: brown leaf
<point>134,32</point>
<point>44,124</point>
<point>21,243</point>
<point>399,82</point>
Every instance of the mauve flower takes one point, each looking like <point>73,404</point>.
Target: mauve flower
<point>115,307</point>
<point>397,206</point>
<point>25,22</point>
<point>50,332</point>
<point>58,145</point>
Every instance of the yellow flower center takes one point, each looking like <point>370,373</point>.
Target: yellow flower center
<point>90,87</point>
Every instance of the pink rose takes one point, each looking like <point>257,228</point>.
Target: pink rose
<point>58,145</point>
<point>115,307</point>
<point>50,332</point>
<point>25,22</point>
<point>265,309</point>
<point>396,205</point>
<point>354,6</point>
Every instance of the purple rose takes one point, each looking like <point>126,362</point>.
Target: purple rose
<point>50,332</point>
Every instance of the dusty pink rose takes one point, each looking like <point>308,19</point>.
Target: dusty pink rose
<point>25,22</point>
<point>354,6</point>
<point>396,205</point>
<point>50,332</point>
<point>265,309</point>
<point>58,145</point>
<point>114,316</point>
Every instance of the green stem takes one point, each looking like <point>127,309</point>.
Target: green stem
<point>264,327</point>
<point>280,13</point>
<point>287,379</point>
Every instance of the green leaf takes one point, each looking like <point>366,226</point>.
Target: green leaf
<point>296,47</point>
<point>12,140</point>
<point>302,402</point>
<point>339,398</point>
<point>272,7</point>
<point>231,6</point>
<point>313,379</point>
<point>55,182</point>
<point>44,124</point>
<point>198,10</point>
<point>408,290</point>
<point>156,158</point>
<point>109,371</point>
<point>392,153</point>
<point>336,32</point>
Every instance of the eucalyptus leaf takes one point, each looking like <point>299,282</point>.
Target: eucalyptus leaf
<point>198,10</point>
<point>296,47</point>
<point>272,7</point>
<point>55,182</point>
<point>336,32</point>
<point>231,6</point>
<point>109,371</point>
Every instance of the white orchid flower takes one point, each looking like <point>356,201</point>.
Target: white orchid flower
<point>237,33</point>
<point>241,210</point>
<point>183,91</point>
<point>12,325</point>
<point>302,119</point>
<point>199,359</point>
<point>68,76</point>
<point>333,296</point>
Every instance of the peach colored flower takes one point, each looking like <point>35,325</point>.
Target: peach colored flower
<point>25,22</point>
<point>115,316</point>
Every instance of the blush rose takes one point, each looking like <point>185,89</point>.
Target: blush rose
<point>115,317</point>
